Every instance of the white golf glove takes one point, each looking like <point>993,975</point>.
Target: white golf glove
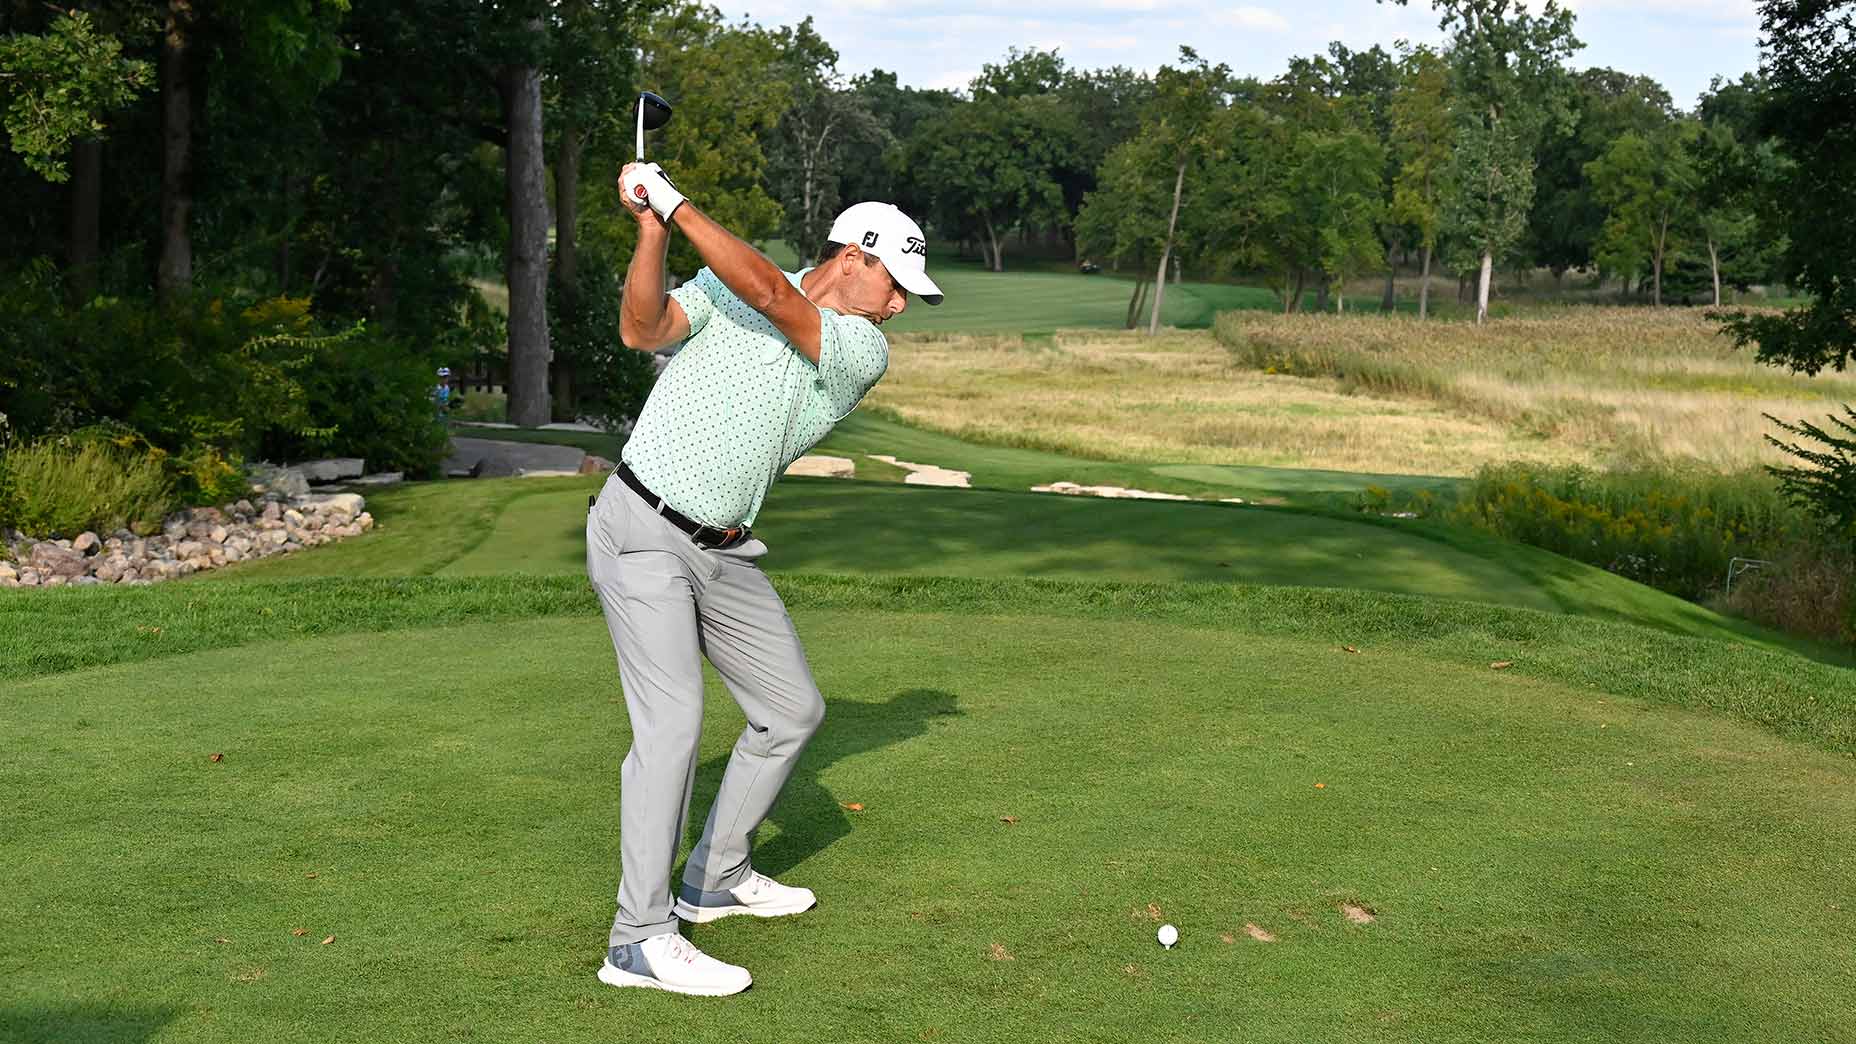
<point>646,183</point>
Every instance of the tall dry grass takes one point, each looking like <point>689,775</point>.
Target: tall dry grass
<point>1179,397</point>
<point>1620,385</point>
<point>1593,386</point>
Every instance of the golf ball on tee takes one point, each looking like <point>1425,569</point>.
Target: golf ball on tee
<point>1168,935</point>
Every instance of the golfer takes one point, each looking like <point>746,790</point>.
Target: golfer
<point>771,361</point>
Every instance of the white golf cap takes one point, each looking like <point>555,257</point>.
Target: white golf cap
<point>885,232</point>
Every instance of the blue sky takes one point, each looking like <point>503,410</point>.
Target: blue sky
<point>943,43</point>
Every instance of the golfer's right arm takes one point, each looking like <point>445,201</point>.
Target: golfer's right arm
<point>649,318</point>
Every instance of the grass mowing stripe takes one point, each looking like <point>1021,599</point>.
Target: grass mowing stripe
<point>1792,696</point>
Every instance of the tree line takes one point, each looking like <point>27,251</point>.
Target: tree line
<point>377,158</point>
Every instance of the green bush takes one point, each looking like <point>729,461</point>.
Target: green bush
<point>370,397</point>
<point>213,379</point>
<point>62,487</point>
<point>1669,527</point>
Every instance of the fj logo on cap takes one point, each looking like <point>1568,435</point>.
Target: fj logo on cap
<point>869,239</point>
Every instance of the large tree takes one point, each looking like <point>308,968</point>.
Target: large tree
<point>1188,100</point>
<point>1509,84</point>
<point>1809,60</point>
<point>990,167</point>
<point>1567,218</point>
<point>60,86</point>
<point>1421,144</point>
<point>1124,218</point>
<point>826,129</point>
<point>1648,186</point>
<point>518,81</point>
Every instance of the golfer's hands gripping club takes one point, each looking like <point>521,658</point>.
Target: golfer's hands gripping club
<point>644,185</point>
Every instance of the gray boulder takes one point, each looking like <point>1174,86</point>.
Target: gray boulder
<point>333,468</point>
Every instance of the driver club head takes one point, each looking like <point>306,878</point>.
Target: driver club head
<point>653,112</point>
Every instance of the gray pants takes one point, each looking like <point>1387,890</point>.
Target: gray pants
<point>668,603</point>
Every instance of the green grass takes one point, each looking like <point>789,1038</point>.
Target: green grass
<point>1567,837</point>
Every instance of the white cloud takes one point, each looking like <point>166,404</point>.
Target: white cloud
<point>1251,18</point>
<point>1706,10</point>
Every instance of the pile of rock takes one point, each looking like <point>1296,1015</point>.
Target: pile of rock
<point>1075,490</point>
<point>189,541</point>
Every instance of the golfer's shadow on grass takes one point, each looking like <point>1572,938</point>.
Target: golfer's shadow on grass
<point>810,817</point>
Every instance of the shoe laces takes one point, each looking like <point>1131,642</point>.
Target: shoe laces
<point>681,950</point>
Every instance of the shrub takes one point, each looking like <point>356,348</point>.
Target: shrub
<point>371,397</point>
<point>1670,527</point>
<point>62,487</point>
<point>212,379</point>
<point>1807,590</point>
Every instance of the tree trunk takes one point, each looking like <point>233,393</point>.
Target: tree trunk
<point>1292,296</point>
<point>1656,263</point>
<point>997,264</point>
<point>1714,266</point>
<point>1424,287</point>
<point>285,260</point>
<point>528,246</point>
<point>86,198</point>
<point>1166,252</point>
<point>1482,287</point>
<point>1321,294</point>
<point>1389,303</point>
<point>567,208</point>
<point>174,271</point>
<point>1134,302</point>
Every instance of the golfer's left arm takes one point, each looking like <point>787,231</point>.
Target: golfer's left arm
<point>750,276</point>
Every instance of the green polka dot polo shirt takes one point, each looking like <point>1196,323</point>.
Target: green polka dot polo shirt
<point>739,403</point>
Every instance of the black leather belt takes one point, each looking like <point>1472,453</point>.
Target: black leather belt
<point>703,536</point>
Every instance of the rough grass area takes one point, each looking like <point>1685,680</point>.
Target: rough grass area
<point>1597,384</point>
<point>412,834</point>
<point>1177,398</point>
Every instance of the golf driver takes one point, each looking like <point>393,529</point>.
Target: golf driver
<point>653,112</point>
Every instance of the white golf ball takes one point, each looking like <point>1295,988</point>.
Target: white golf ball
<point>1168,935</point>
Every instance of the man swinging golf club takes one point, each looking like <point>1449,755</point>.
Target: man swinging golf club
<point>771,361</point>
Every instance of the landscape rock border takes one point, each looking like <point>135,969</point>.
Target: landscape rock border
<point>190,541</point>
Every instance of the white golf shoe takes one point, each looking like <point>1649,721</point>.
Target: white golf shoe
<point>759,896</point>
<point>671,962</point>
